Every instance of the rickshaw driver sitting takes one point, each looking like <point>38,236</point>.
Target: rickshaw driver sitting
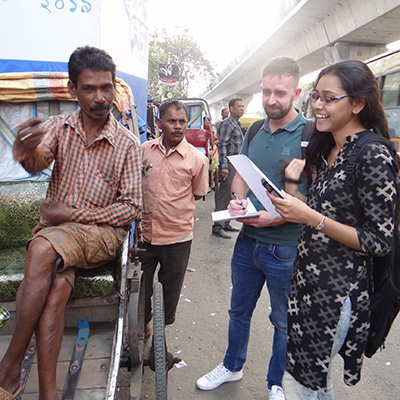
<point>93,196</point>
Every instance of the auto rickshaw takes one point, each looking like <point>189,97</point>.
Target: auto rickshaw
<point>200,132</point>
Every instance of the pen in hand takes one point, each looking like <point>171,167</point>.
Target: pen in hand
<point>238,200</point>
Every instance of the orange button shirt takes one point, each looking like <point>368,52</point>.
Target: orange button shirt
<point>169,190</point>
<point>101,182</point>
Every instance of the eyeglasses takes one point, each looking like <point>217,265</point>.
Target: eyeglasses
<point>314,96</point>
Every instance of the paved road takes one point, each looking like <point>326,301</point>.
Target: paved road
<point>199,335</point>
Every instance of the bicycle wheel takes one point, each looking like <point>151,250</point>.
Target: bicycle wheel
<point>161,369</point>
<point>136,320</point>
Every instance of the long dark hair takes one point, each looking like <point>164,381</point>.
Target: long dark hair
<point>359,83</point>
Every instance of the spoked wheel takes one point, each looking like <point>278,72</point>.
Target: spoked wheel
<point>136,322</point>
<point>161,369</point>
<point>136,333</point>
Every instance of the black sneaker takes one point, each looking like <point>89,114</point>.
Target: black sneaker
<point>230,228</point>
<point>221,233</point>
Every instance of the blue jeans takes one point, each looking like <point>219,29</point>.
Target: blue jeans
<point>254,263</point>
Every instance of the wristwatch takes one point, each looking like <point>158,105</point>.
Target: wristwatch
<point>321,225</point>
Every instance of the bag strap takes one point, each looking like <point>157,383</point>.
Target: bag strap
<point>305,134</point>
<point>254,128</point>
<point>362,142</point>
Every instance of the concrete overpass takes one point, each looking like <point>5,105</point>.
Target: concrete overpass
<point>316,33</point>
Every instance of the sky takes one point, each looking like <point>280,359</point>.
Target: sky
<point>222,28</point>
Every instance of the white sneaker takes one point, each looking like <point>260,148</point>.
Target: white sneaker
<point>276,393</point>
<point>217,377</point>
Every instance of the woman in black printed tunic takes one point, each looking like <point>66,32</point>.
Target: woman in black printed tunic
<point>329,299</point>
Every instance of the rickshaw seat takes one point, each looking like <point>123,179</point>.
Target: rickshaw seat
<point>19,212</point>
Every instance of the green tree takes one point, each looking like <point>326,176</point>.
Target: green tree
<point>179,49</point>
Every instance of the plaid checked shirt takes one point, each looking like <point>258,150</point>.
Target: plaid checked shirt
<point>101,182</point>
<point>230,140</point>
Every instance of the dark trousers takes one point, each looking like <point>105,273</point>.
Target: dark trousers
<point>223,194</point>
<point>173,260</point>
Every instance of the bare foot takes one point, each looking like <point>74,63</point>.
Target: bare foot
<point>10,383</point>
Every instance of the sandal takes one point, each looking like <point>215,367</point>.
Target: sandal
<point>4,395</point>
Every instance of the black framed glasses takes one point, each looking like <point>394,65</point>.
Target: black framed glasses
<point>314,96</point>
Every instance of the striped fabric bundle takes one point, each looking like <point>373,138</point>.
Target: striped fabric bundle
<point>34,86</point>
<point>46,86</point>
<point>52,87</point>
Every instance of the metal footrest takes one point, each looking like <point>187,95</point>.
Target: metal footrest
<point>75,367</point>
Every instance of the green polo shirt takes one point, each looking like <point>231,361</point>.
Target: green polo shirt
<point>272,152</point>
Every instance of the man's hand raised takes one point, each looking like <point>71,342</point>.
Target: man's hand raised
<point>30,134</point>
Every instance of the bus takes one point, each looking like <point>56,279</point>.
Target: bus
<point>386,68</point>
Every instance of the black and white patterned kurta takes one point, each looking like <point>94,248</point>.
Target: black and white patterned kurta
<point>326,272</point>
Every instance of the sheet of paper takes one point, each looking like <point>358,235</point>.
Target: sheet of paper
<point>252,176</point>
<point>224,215</point>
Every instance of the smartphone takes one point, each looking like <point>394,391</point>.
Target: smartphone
<point>271,188</point>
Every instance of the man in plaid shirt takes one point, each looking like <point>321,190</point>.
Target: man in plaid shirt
<point>230,136</point>
<point>93,196</point>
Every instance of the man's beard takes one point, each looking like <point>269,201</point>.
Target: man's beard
<point>278,113</point>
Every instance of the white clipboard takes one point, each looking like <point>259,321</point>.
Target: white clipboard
<point>253,176</point>
<point>225,215</point>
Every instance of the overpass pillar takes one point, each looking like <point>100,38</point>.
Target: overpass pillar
<point>246,99</point>
<point>215,108</point>
<point>345,51</point>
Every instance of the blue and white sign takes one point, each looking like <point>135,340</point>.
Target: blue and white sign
<point>45,31</point>
<point>40,35</point>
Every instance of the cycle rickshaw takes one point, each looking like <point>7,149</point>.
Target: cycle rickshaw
<point>107,307</point>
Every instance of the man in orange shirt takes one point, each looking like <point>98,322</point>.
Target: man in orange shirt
<point>178,177</point>
<point>93,196</point>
